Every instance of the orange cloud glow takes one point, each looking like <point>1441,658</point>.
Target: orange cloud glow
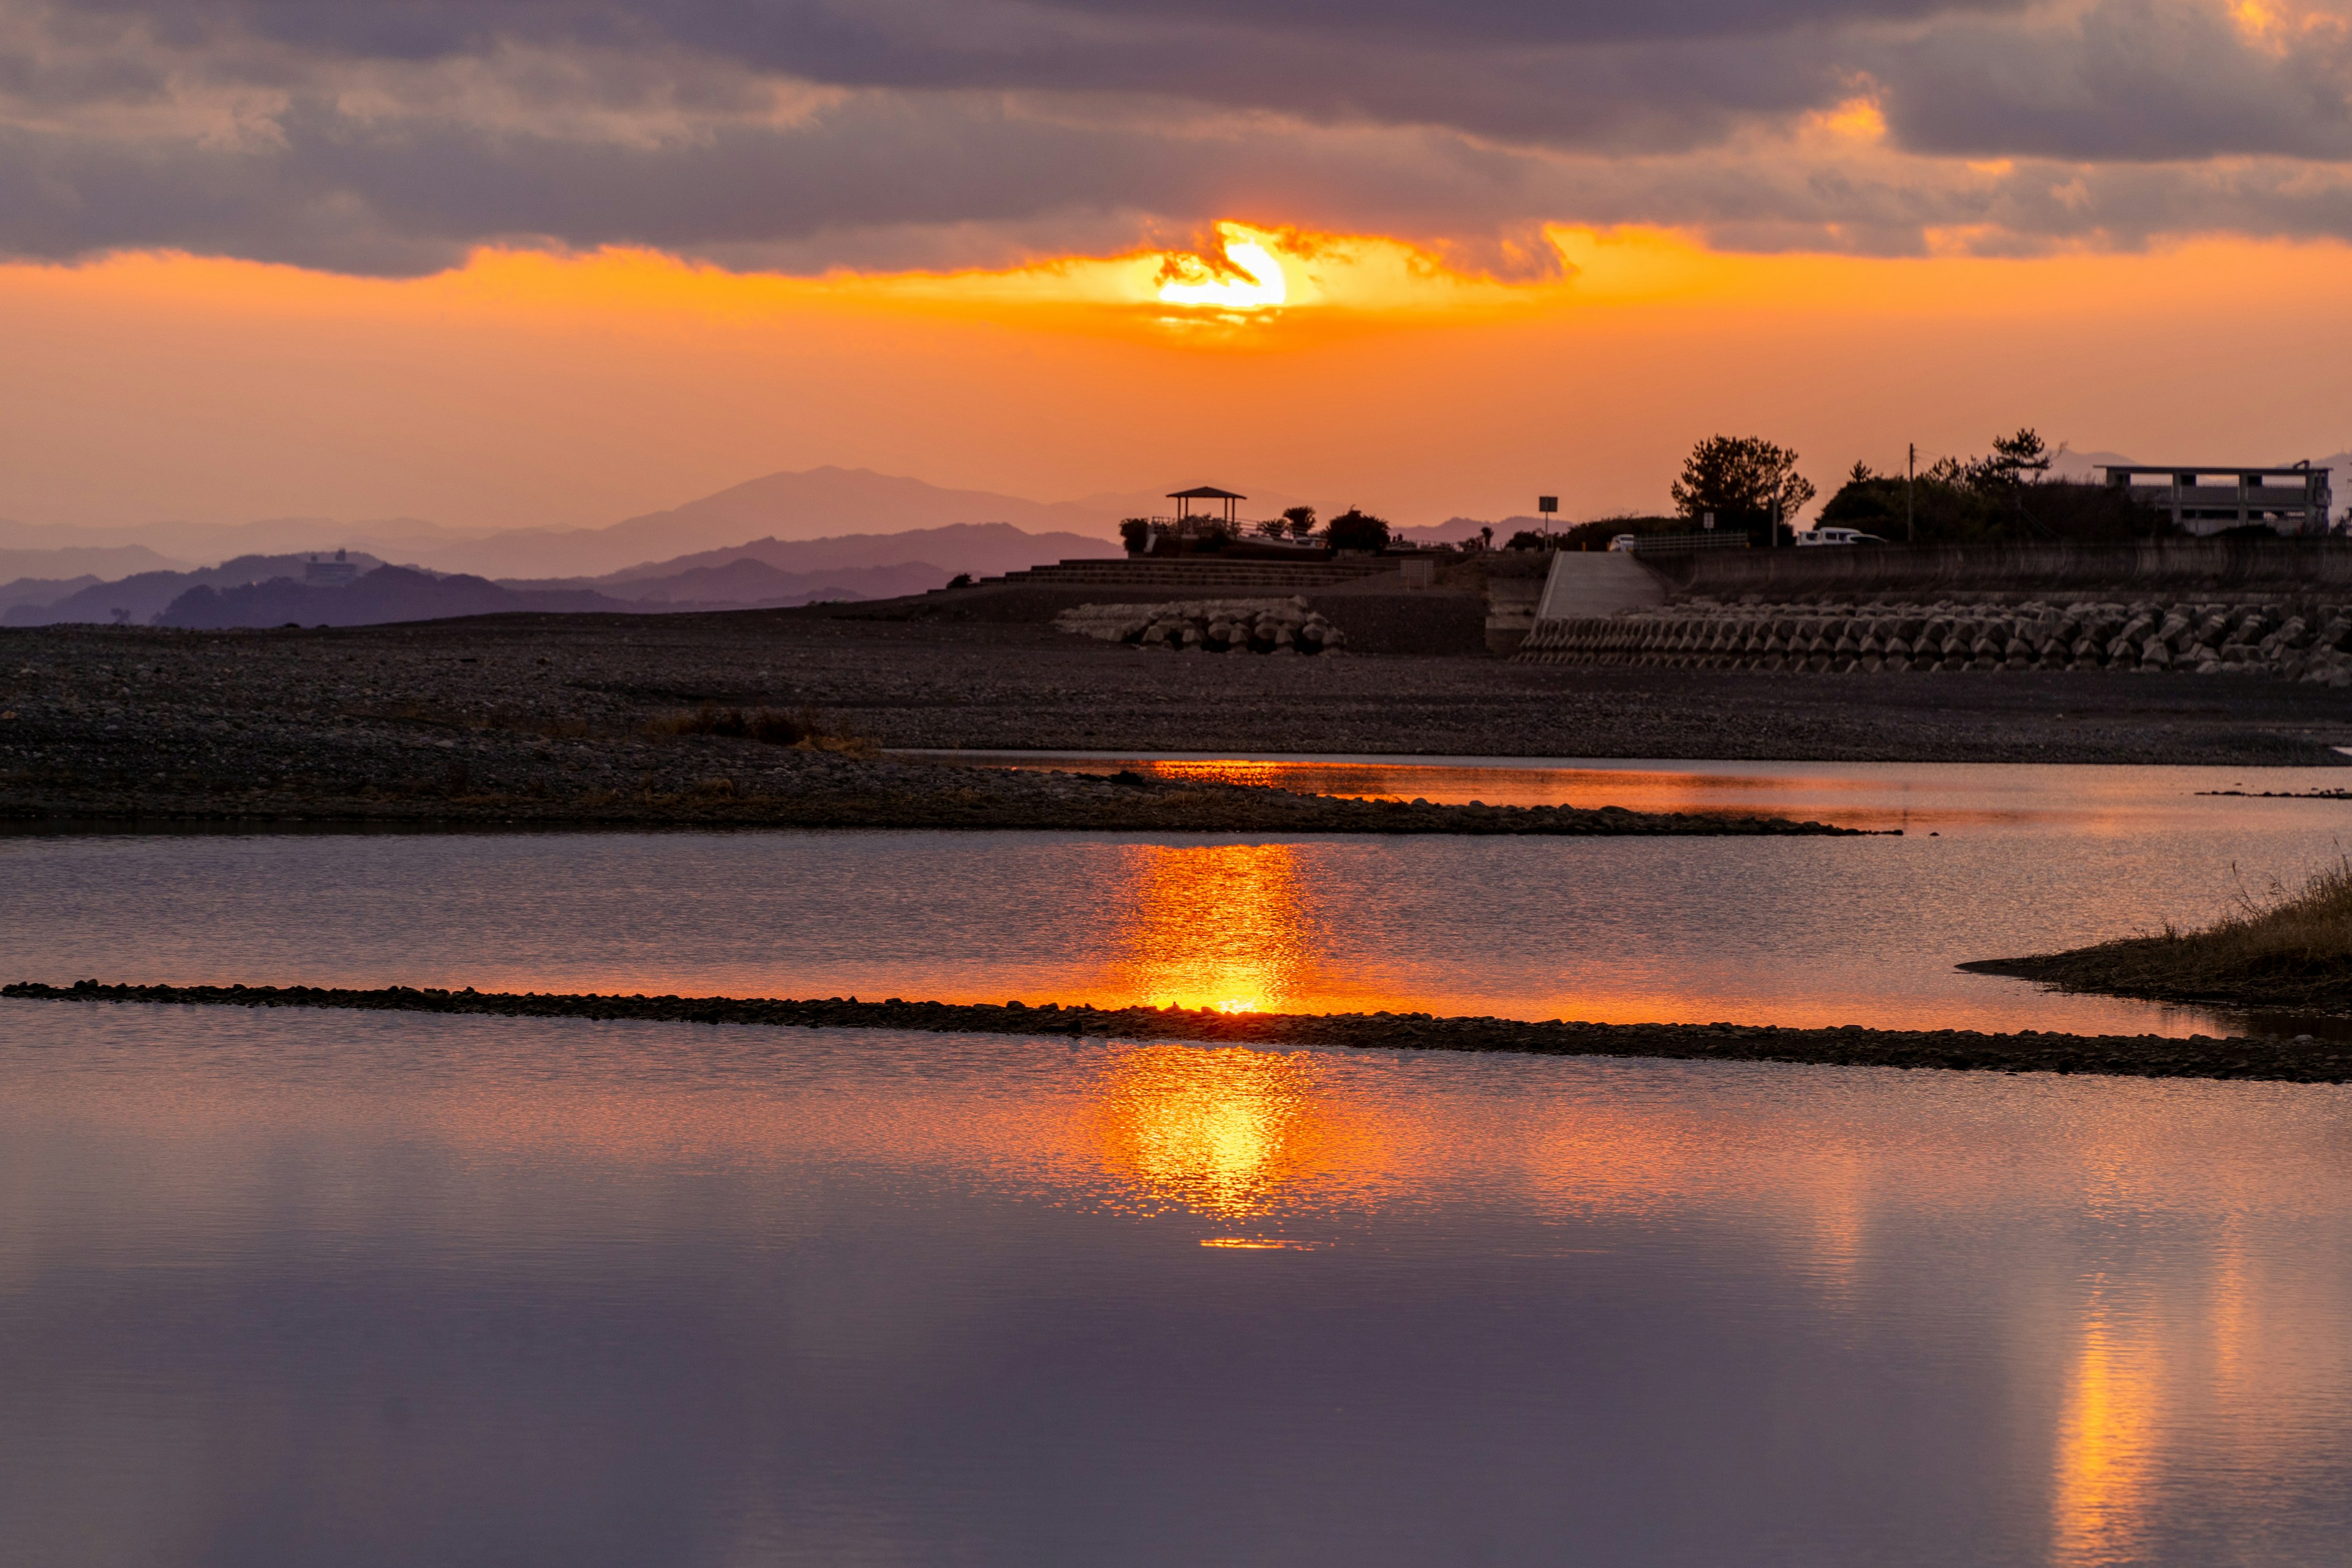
<point>531,389</point>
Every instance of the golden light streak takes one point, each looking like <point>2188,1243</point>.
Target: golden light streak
<point>1224,926</point>
<point>2104,1440</point>
<point>1227,1132</point>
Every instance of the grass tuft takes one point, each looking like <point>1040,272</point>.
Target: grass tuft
<point>770,726</point>
<point>2292,949</point>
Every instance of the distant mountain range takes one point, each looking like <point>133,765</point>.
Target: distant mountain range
<point>792,508</point>
<point>765,572</point>
<point>387,594</point>
<point>819,503</point>
<point>981,549</point>
<point>140,597</point>
<point>271,590</point>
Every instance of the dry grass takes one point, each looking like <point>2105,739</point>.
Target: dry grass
<point>2293,949</point>
<point>770,726</point>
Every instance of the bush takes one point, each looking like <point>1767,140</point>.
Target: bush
<point>1135,532</point>
<point>1354,530</point>
<point>1975,503</point>
<point>769,725</point>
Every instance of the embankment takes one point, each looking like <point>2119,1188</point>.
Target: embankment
<point>2151,568</point>
<point>2301,1060</point>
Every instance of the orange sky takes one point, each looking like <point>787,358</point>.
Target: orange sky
<point>524,389</point>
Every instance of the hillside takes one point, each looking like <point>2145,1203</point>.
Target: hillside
<point>386,594</point>
<point>984,550</point>
<point>820,503</point>
<point>139,597</point>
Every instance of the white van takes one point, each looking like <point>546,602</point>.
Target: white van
<point>1623,541</point>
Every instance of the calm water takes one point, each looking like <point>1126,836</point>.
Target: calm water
<point>295,1288</point>
<point>1994,862</point>
<point>304,1289</point>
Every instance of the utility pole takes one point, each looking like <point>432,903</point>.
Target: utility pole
<point>1910,472</point>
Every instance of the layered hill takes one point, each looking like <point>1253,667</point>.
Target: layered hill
<point>141,597</point>
<point>387,594</point>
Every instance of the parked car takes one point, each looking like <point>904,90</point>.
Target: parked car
<point>1623,541</point>
<point>1838,536</point>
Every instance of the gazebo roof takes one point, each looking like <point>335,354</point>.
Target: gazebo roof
<point>1205,493</point>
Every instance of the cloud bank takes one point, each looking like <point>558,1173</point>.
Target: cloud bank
<point>394,136</point>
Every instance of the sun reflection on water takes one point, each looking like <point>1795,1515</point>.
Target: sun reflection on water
<point>2105,1433</point>
<point>1221,1131</point>
<point>1227,926</point>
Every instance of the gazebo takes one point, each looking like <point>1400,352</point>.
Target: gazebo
<point>1184,499</point>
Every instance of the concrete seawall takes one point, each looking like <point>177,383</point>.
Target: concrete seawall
<point>2237,568</point>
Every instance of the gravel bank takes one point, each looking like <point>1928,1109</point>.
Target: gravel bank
<point>2143,1056</point>
<point>517,710</point>
<point>542,725</point>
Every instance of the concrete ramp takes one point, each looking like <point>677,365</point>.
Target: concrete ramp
<point>1585,583</point>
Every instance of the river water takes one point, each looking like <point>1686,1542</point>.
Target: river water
<point>1992,862</point>
<point>294,1288</point>
<point>304,1288</point>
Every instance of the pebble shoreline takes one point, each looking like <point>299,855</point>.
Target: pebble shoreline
<point>2142,1055</point>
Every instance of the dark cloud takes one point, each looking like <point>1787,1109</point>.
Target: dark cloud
<point>796,34</point>
<point>392,137</point>
<point>2132,80</point>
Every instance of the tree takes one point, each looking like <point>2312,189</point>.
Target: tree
<point>1135,532</point>
<point>1354,530</point>
<point>2005,495</point>
<point>1274,527</point>
<point>1301,519</point>
<point>2020,459</point>
<point>1739,478</point>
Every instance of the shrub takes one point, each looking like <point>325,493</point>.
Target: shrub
<point>1988,499</point>
<point>770,726</point>
<point>1135,532</point>
<point>1354,529</point>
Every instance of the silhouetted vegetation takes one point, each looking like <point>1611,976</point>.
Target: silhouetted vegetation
<point>2006,496</point>
<point>2292,949</point>
<point>1299,520</point>
<point>1741,480</point>
<point>1135,532</point>
<point>1354,529</point>
<point>770,726</point>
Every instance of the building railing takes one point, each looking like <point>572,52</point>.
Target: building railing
<point>1682,544</point>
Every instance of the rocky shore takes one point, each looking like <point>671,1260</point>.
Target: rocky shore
<point>2302,1060</point>
<point>532,708</point>
<point>360,728</point>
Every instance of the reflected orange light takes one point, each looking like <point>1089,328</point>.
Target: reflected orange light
<point>1232,1132</point>
<point>2104,1440</point>
<point>1224,926</point>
